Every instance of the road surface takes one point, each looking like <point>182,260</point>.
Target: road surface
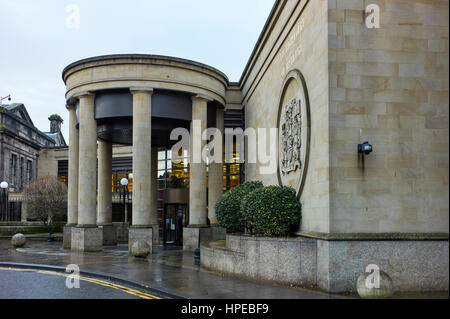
<point>18,283</point>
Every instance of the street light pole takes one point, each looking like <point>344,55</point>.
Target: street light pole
<point>5,97</point>
<point>124,183</point>
<point>4,186</point>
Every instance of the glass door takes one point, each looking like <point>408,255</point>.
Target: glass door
<point>174,219</point>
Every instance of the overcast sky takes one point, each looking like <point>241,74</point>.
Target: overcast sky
<point>36,42</point>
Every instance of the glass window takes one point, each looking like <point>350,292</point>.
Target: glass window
<point>13,167</point>
<point>28,171</point>
<point>22,172</point>
<point>234,181</point>
<point>162,174</point>
<point>161,155</point>
<point>130,182</point>
<point>161,165</point>
<point>172,174</point>
<point>233,175</point>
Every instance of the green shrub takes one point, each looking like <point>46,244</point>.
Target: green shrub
<point>271,211</point>
<point>228,207</point>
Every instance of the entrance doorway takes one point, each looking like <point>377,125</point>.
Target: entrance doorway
<point>175,217</point>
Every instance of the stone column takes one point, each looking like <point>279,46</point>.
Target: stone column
<point>215,176</point>
<point>87,236</point>
<point>154,195</point>
<point>197,175</point>
<point>141,228</point>
<point>24,212</point>
<point>72,185</point>
<point>104,196</point>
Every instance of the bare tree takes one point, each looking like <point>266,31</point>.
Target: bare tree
<point>46,200</point>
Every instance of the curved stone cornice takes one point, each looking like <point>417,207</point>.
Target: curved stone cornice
<point>139,70</point>
<point>138,58</point>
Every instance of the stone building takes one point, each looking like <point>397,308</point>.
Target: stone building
<point>329,83</point>
<point>386,85</point>
<point>20,145</point>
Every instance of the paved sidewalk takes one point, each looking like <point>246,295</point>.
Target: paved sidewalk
<point>173,271</point>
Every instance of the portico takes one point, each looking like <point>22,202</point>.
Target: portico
<point>137,100</point>
<point>328,84</point>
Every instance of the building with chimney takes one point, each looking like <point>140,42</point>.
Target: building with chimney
<point>55,130</point>
<point>20,145</point>
<point>361,121</point>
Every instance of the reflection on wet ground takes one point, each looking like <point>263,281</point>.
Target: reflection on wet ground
<point>170,270</point>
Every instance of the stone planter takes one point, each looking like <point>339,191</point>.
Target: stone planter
<point>332,265</point>
<point>282,260</point>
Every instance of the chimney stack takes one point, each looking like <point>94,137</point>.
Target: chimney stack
<point>55,123</point>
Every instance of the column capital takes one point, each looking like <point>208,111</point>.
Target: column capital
<point>70,105</point>
<point>84,94</point>
<point>143,89</point>
<point>202,98</point>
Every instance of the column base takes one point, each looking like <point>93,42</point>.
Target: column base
<point>192,234</point>
<point>155,231</point>
<point>140,233</point>
<point>121,232</point>
<point>109,235</point>
<point>67,236</point>
<point>86,239</point>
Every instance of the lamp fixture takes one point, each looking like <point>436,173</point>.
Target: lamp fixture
<point>365,148</point>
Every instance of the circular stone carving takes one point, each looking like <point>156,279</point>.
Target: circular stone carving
<point>383,292</point>
<point>18,240</point>
<point>294,132</point>
<point>140,249</point>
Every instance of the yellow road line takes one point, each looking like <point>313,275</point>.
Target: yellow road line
<point>127,290</point>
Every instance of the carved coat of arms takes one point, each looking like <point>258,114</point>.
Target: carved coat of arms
<point>291,137</point>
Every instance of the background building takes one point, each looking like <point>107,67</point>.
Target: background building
<point>20,145</point>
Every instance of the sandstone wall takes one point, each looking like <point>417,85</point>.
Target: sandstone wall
<point>389,86</point>
<point>48,160</point>
<point>286,48</point>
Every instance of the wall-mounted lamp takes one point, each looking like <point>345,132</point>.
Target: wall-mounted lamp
<point>365,148</point>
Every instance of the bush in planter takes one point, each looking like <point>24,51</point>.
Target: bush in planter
<point>271,211</point>
<point>228,207</point>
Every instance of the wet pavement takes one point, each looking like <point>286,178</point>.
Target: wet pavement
<point>32,284</point>
<point>172,271</point>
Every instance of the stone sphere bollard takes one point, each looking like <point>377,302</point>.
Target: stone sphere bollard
<point>384,291</point>
<point>18,240</point>
<point>140,249</point>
